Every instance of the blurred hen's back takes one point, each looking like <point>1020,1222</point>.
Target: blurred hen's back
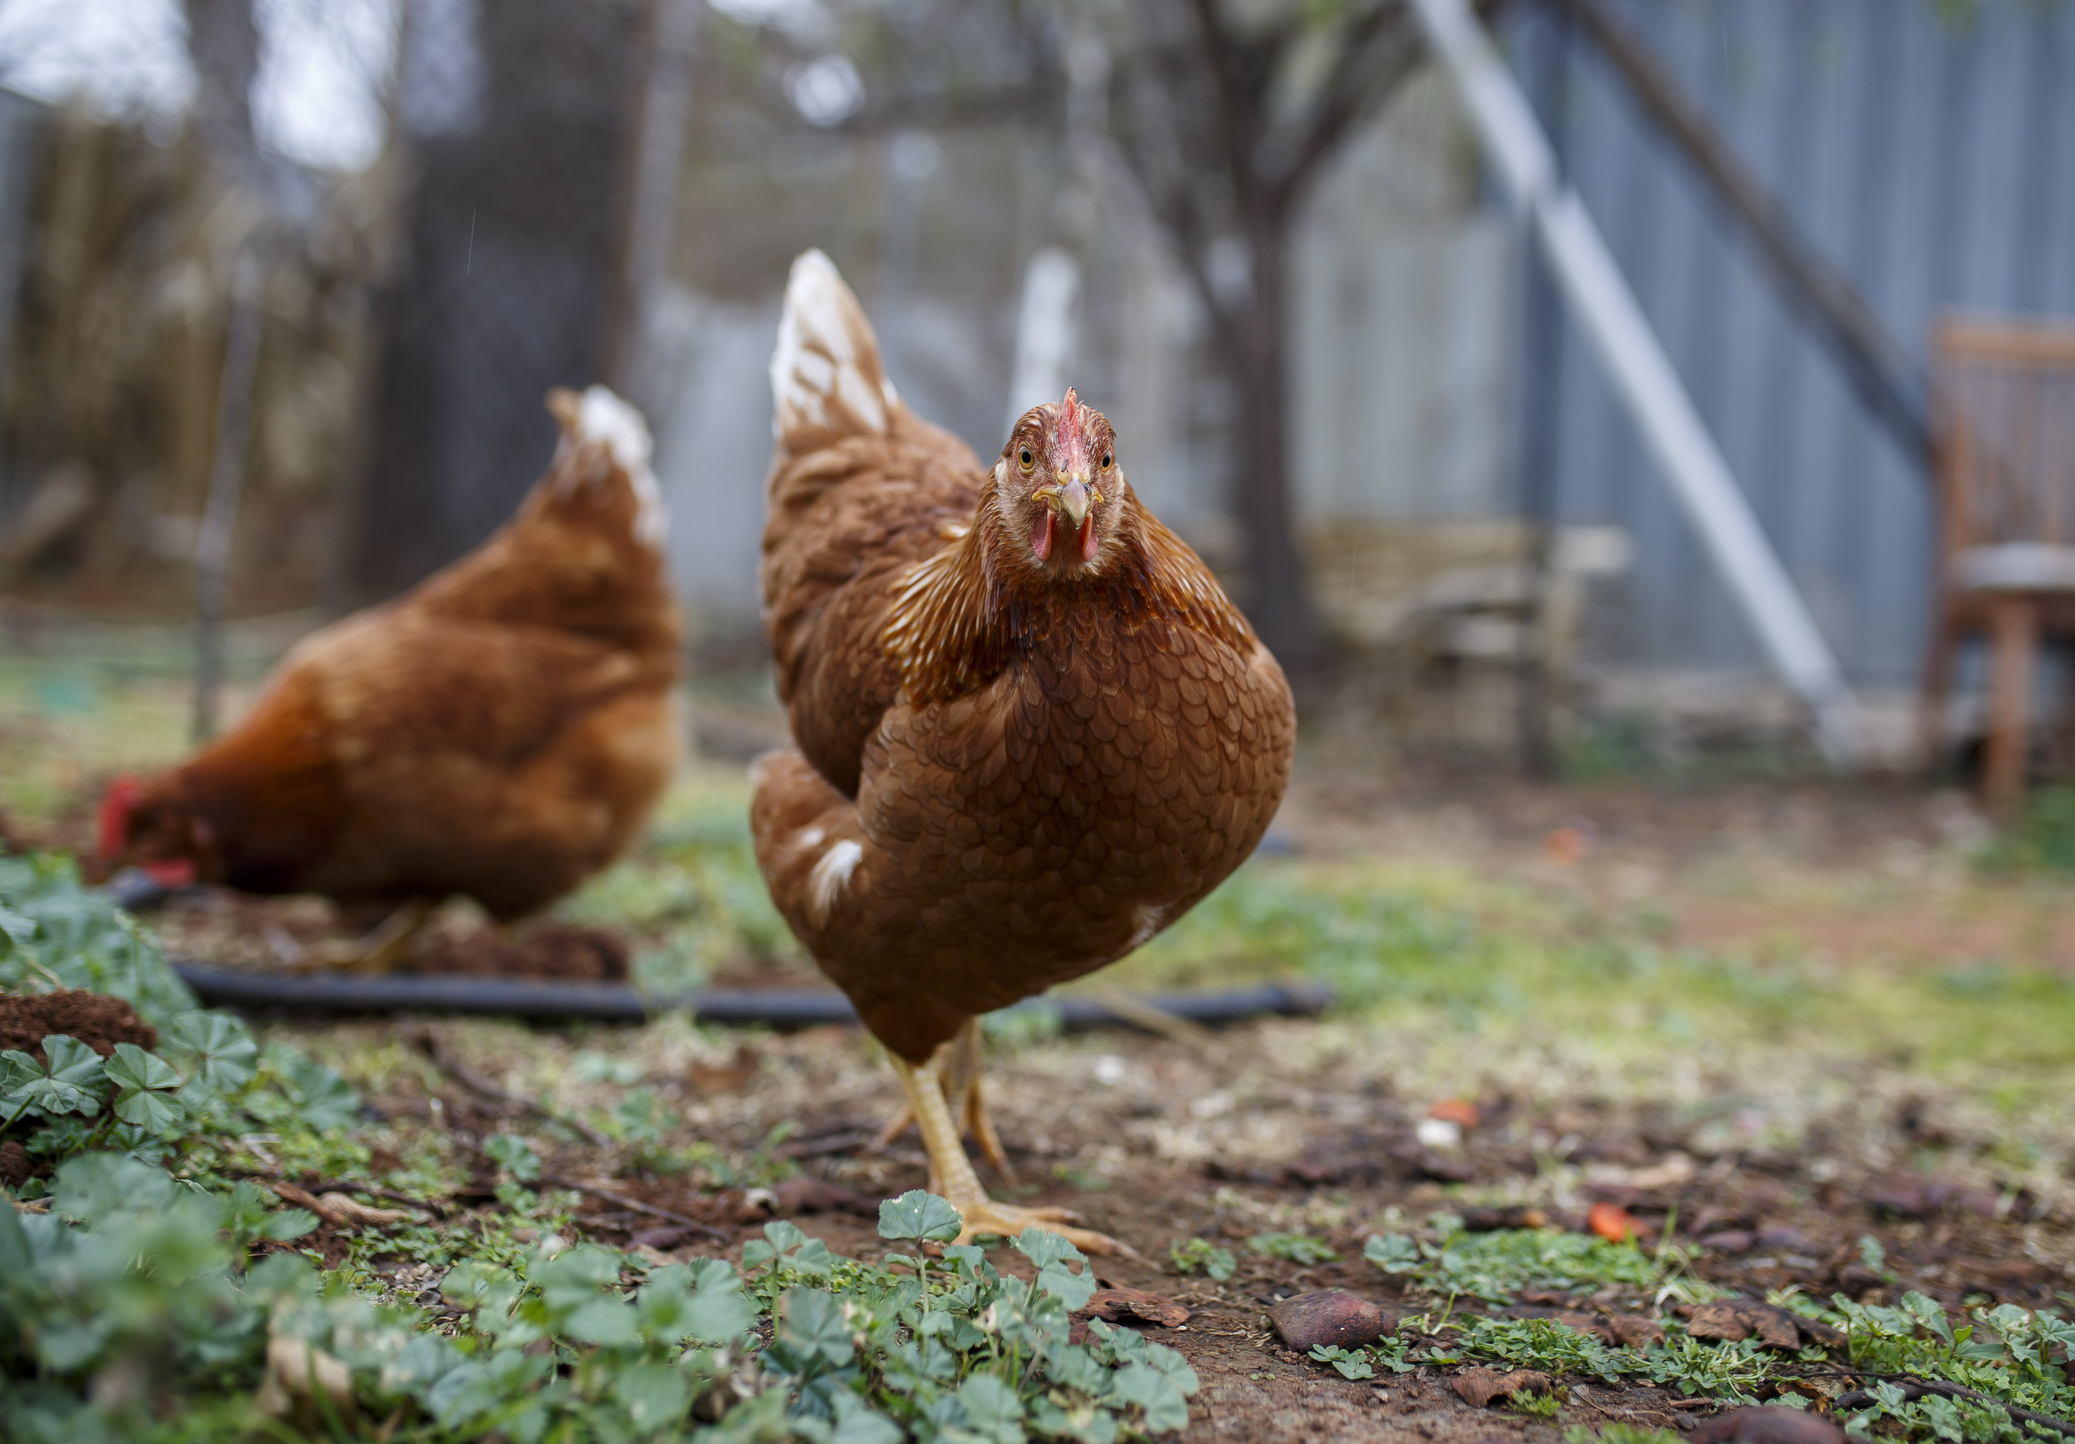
<point>500,731</point>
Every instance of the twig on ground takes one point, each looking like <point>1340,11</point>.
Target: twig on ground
<point>1915,1387</point>
<point>354,1185</point>
<point>429,1043</point>
<point>849,1140</point>
<point>1156,1020</point>
<point>612,1195</point>
<point>599,1190</point>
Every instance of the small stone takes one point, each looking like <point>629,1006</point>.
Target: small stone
<point>1729,1240</point>
<point>1329,1316</point>
<point>1439,1133</point>
<point>1767,1424</point>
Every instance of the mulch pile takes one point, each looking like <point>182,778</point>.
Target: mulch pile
<point>94,1019</point>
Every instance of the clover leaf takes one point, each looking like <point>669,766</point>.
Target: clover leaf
<point>70,1082</point>
<point>919,1215</point>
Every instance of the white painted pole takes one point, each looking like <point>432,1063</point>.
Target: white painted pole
<point>1044,331</point>
<point>1699,475</point>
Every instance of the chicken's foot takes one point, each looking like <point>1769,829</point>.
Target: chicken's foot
<point>382,949</point>
<point>962,1091</point>
<point>951,1172</point>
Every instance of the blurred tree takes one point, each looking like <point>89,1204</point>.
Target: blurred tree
<point>1226,112</point>
<point>1222,112</point>
<point>223,42</point>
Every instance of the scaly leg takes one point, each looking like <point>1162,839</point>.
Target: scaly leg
<point>382,949</point>
<point>949,1166</point>
<point>962,1091</point>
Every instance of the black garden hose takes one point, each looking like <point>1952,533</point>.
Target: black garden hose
<point>737,1007</point>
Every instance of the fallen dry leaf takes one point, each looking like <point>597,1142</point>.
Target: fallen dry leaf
<point>341,1209</point>
<point>1459,1111</point>
<point>1611,1222</point>
<point>1121,1306</point>
<point>1478,1387</point>
<point>1732,1320</point>
<point>1634,1330</point>
<point>725,1077</point>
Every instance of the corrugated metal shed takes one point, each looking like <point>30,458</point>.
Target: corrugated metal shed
<point>1929,151</point>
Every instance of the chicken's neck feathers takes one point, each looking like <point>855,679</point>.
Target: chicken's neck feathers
<point>962,615</point>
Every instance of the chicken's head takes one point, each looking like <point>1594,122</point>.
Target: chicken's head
<point>153,834</point>
<point>1059,485</point>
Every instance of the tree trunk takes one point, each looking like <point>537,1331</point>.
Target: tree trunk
<point>224,45</point>
<point>1278,602</point>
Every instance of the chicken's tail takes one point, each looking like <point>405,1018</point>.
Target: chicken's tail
<point>604,437</point>
<point>827,379</point>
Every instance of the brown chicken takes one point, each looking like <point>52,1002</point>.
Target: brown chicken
<point>1030,731</point>
<point>501,731</point>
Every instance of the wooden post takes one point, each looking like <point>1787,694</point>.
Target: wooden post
<point>2016,641</point>
<point>226,480</point>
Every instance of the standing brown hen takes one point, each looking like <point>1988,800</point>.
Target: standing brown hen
<point>1029,729</point>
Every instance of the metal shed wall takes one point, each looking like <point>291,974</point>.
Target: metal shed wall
<point>1928,151</point>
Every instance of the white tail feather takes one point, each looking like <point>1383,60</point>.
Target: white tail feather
<point>601,418</point>
<point>826,376</point>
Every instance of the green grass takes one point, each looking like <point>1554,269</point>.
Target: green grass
<point>1433,948</point>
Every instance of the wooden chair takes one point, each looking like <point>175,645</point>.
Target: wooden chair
<point>2005,394</point>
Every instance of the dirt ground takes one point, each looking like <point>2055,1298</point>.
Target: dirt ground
<point>1774,1160</point>
<point>1277,1127</point>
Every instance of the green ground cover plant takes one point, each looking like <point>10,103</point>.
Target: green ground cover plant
<point>148,1294</point>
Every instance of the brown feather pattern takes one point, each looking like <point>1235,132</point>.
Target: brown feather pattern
<point>501,731</point>
<point>1003,778</point>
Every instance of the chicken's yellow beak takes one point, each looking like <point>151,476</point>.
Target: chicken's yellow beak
<point>1073,499</point>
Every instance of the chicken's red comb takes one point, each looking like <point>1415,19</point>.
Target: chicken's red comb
<point>116,804</point>
<point>1069,429</point>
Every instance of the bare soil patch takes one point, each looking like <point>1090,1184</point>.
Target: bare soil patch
<point>98,1021</point>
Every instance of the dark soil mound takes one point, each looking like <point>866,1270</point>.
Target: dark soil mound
<point>546,950</point>
<point>94,1019</point>
<point>17,1166</point>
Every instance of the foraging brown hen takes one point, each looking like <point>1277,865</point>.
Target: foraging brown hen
<point>1030,730</point>
<point>501,731</point>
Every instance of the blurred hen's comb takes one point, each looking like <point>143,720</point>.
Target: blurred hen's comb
<point>114,821</point>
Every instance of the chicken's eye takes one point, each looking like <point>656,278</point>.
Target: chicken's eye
<point>1105,461</point>
<point>1027,459</point>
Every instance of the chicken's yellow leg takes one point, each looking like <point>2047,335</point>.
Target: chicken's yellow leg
<point>961,1084</point>
<point>381,949</point>
<point>953,1171</point>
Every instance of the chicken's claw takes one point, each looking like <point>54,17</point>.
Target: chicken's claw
<point>952,1172</point>
<point>1007,1220</point>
